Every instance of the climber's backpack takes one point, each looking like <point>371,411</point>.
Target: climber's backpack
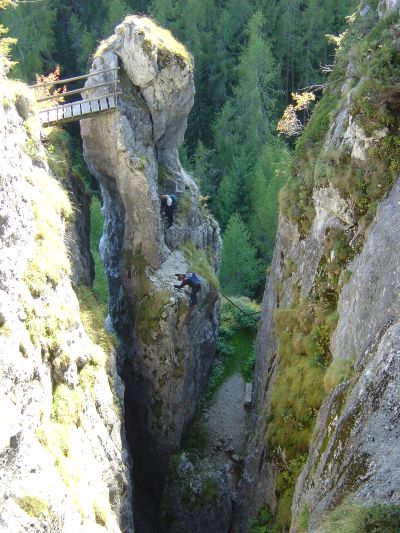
<point>174,199</point>
<point>194,278</point>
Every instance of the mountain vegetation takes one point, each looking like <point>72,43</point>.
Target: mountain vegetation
<point>250,56</point>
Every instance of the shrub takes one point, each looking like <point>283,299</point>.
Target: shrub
<point>318,126</point>
<point>262,523</point>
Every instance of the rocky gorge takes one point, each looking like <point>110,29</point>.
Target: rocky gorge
<point>327,369</point>
<point>167,348</point>
<point>320,444</point>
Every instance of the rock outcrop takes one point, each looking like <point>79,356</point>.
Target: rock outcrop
<point>64,463</point>
<point>197,498</point>
<point>167,347</point>
<point>328,340</point>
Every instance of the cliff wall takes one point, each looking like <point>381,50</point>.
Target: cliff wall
<point>167,347</point>
<point>64,462</point>
<point>327,373</point>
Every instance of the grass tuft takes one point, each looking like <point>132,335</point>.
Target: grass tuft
<point>357,517</point>
<point>198,262</point>
<point>340,370</point>
<point>50,261</point>
<point>93,314</point>
<point>162,40</point>
<point>67,405</point>
<point>34,506</point>
<point>101,511</point>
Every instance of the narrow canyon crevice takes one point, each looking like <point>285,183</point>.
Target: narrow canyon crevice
<point>166,347</point>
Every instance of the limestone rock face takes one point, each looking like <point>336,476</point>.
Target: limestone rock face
<point>167,347</point>
<point>63,461</point>
<point>388,5</point>
<point>352,452</point>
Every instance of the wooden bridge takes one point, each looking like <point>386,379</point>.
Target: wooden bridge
<point>77,110</point>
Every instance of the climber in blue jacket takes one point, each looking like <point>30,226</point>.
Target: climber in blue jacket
<point>192,280</point>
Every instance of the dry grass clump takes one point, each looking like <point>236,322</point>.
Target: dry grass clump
<point>162,39</point>
<point>199,263</point>
<point>51,207</point>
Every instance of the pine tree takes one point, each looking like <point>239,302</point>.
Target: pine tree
<point>33,26</point>
<point>270,175</point>
<point>240,269</point>
<point>204,171</point>
<point>116,12</point>
<point>243,126</point>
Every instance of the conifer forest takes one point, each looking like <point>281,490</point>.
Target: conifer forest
<point>250,56</point>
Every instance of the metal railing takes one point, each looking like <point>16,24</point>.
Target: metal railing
<point>113,83</point>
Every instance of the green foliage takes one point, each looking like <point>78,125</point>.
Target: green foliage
<point>203,170</point>
<point>64,160</point>
<point>373,106</point>
<point>363,517</point>
<point>151,308</point>
<point>262,523</point>
<point>6,44</point>
<point>67,405</point>
<point>34,506</point>
<point>303,519</point>
<point>296,197</point>
<point>33,26</point>
<point>57,144</point>
<point>195,438</point>
<point>198,262</point>
<point>209,492</point>
<point>303,331</point>
<point>116,11</point>
<point>284,488</point>
<point>240,269</point>
<point>235,345</point>
<point>317,128</point>
<point>270,174</point>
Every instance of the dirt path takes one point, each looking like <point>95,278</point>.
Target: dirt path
<point>225,424</point>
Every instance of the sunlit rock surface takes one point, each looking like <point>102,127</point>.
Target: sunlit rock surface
<point>63,460</point>
<point>167,347</point>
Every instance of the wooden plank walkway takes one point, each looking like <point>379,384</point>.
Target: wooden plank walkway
<point>73,111</point>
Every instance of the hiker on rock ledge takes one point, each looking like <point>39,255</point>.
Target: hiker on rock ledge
<point>192,280</point>
<point>168,206</point>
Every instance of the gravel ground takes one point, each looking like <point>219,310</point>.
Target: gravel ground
<point>225,424</point>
